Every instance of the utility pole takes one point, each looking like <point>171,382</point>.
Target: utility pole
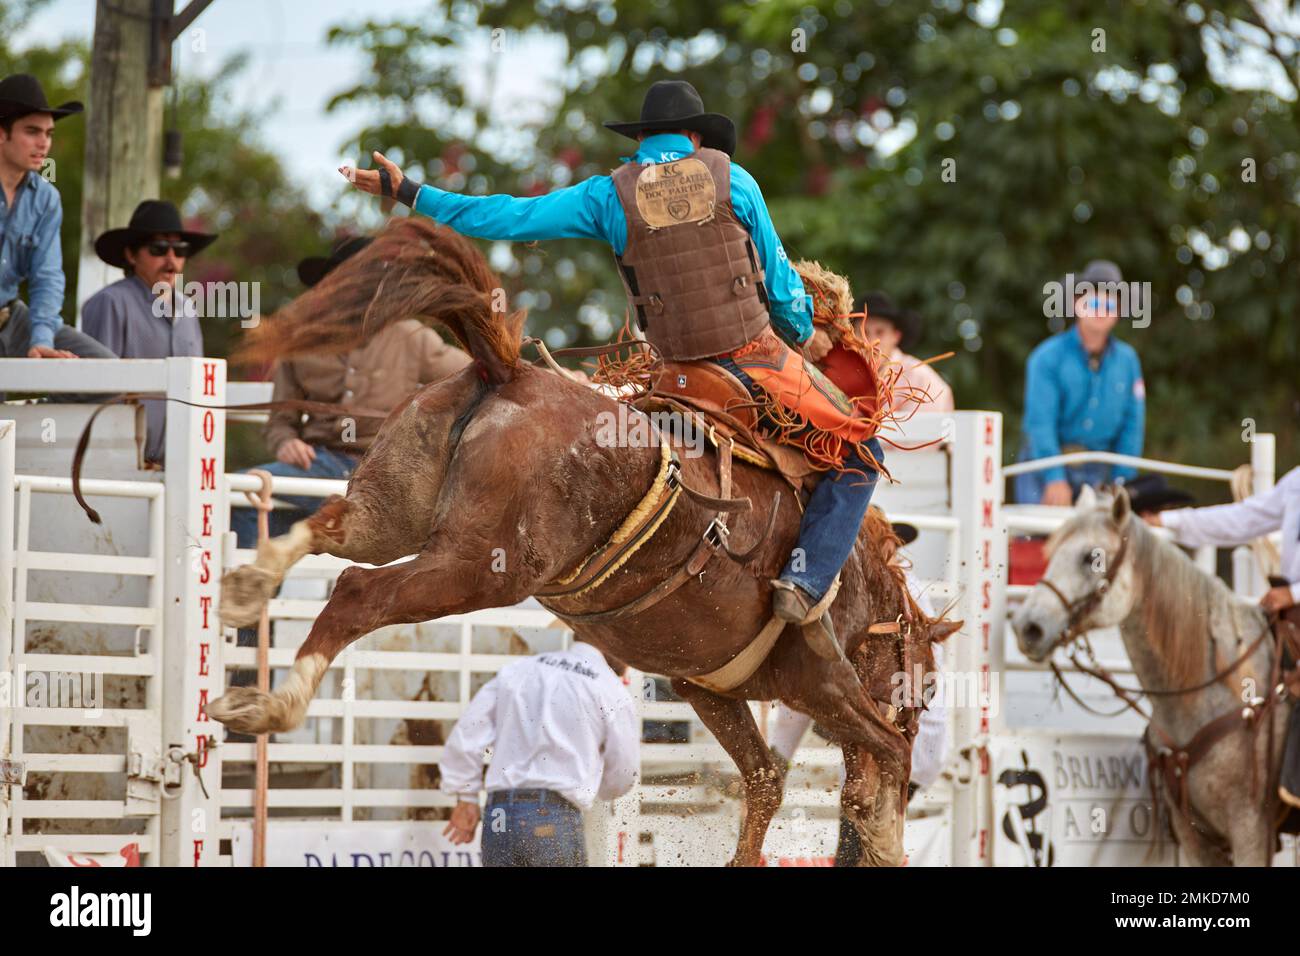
<point>123,132</point>
<point>129,69</point>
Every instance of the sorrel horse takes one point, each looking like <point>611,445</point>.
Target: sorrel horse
<point>495,481</point>
<point>1205,661</point>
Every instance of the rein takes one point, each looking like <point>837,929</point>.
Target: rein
<point>291,404</point>
<point>1166,757</point>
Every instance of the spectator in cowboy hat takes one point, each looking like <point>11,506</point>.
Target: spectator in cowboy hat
<point>1149,494</point>
<point>1083,392</point>
<point>563,733</point>
<point>377,375</point>
<point>899,330</point>
<point>145,315</point>
<point>31,214</point>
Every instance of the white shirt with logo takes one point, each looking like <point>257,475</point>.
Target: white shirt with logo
<point>559,721</point>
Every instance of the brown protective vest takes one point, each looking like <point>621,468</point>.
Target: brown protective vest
<point>690,269</point>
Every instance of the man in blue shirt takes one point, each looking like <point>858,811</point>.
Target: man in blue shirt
<point>1083,392</point>
<point>707,278</point>
<point>31,214</point>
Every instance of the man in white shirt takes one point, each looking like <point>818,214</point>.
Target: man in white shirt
<point>564,732</point>
<point>1226,526</point>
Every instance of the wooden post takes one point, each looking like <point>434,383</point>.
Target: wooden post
<point>123,132</point>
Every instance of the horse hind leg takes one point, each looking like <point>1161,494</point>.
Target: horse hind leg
<point>430,586</point>
<point>732,723</point>
<point>338,528</point>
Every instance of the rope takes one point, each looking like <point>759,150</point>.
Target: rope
<point>1266,557</point>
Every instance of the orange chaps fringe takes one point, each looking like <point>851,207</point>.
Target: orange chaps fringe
<point>806,409</point>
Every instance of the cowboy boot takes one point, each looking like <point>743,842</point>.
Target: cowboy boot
<point>791,603</point>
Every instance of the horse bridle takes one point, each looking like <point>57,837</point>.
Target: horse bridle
<point>1077,611</point>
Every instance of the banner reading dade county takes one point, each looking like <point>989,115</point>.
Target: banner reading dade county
<point>330,843</point>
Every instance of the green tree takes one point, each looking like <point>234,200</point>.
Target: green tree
<point>1133,131</point>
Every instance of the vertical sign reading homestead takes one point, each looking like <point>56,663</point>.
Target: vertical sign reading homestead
<point>196,512</point>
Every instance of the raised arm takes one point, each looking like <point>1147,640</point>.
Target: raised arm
<point>577,212</point>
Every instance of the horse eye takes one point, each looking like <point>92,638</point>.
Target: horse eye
<point>1088,558</point>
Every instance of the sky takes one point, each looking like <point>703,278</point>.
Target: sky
<point>293,73</point>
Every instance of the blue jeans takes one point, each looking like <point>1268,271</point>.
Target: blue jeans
<point>831,521</point>
<point>532,828</point>
<point>327,464</point>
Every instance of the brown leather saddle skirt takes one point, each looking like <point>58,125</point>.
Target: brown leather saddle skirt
<point>720,404</point>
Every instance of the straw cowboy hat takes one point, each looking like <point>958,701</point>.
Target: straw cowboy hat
<point>674,104</point>
<point>151,218</point>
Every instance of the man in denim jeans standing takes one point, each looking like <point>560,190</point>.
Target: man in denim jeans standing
<point>564,732</point>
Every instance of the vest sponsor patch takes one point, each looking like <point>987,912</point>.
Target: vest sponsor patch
<point>671,193</point>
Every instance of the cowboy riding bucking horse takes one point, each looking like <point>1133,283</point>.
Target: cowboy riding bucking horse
<point>707,278</point>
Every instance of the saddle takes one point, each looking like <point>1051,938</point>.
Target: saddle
<point>720,406</point>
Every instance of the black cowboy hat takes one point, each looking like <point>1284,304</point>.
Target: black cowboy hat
<point>1149,492</point>
<point>21,94</point>
<point>314,268</point>
<point>674,104</point>
<point>151,218</point>
<point>878,305</point>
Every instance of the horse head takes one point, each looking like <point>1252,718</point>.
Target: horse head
<point>1089,581</point>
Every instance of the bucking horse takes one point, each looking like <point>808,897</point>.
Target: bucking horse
<point>497,481</point>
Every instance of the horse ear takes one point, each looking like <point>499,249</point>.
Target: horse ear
<point>1087,499</point>
<point>940,631</point>
<point>1121,508</point>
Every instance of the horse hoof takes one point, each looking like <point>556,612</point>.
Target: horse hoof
<point>245,710</point>
<point>244,592</point>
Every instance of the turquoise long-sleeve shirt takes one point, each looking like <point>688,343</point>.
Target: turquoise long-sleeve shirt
<point>1067,403</point>
<point>591,210</point>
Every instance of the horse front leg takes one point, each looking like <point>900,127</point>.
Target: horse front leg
<point>876,804</point>
<point>732,723</point>
<point>430,586</point>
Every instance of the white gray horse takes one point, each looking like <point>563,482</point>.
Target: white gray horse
<point>1181,627</point>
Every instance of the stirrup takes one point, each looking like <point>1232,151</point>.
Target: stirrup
<point>790,603</point>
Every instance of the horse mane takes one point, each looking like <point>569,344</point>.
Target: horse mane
<point>886,542</point>
<point>1179,600</point>
<point>414,269</point>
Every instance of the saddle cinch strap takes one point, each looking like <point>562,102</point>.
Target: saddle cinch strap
<point>641,524</point>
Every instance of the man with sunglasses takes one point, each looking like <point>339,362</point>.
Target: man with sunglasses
<point>1083,392</point>
<point>31,215</point>
<point>145,315</point>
